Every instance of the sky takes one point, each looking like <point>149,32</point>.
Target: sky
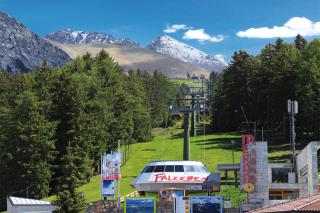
<point>217,27</point>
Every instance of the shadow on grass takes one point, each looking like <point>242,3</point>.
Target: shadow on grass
<point>221,143</point>
<point>129,176</point>
<point>280,159</point>
<point>177,136</point>
<point>275,147</point>
<point>149,150</point>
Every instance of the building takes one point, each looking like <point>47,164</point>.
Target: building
<point>307,204</point>
<point>276,183</point>
<point>21,205</point>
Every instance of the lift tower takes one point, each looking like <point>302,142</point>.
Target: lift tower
<point>190,105</point>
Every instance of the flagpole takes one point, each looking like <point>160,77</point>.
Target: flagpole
<point>101,187</point>
<point>119,175</point>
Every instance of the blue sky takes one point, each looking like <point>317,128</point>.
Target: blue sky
<point>209,25</point>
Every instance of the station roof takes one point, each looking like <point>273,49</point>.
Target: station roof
<point>306,204</point>
<point>27,201</point>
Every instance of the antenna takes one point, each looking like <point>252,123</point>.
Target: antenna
<point>292,110</point>
<point>244,114</point>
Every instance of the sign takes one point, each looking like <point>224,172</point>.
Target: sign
<point>227,204</point>
<point>199,204</point>
<point>167,198</point>
<point>163,177</point>
<point>110,166</point>
<point>215,188</point>
<point>110,171</point>
<point>141,205</point>
<point>248,159</point>
<point>248,187</point>
<point>193,187</point>
<point>206,204</point>
<point>108,188</point>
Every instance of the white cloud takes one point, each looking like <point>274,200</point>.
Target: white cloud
<point>202,36</point>
<point>175,27</point>
<point>294,26</point>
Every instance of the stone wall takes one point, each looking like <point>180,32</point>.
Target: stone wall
<point>261,192</point>
<point>307,168</point>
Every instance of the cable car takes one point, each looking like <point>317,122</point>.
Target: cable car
<point>188,175</point>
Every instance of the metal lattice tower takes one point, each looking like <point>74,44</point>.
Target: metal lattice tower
<point>190,105</point>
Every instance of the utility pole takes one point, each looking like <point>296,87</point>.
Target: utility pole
<point>198,109</point>
<point>232,143</point>
<point>292,110</point>
<point>119,150</point>
<point>193,117</point>
<point>186,137</point>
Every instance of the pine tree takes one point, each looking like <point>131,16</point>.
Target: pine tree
<point>31,147</point>
<point>226,108</point>
<point>68,199</point>
<point>300,42</point>
<point>139,109</point>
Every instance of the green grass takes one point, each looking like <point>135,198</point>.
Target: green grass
<point>167,144</point>
<point>180,80</point>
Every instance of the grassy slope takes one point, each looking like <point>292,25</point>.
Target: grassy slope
<point>168,145</point>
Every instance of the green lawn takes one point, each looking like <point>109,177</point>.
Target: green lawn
<point>181,80</point>
<point>167,144</point>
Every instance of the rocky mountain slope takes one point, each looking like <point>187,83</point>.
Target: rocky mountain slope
<point>181,51</point>
<point>24,50</point>
<point>68,36</point>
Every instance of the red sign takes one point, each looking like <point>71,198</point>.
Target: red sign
<point>168,178</point>
<point>248,157</point>
<point>112,177</point>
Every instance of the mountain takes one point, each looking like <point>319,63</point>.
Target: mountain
<point>181,51</point>
<point>24,50</point>
<point>129,57</point>
<point>68,36</point>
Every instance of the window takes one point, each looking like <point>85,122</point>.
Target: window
<point>159,169</point>
<point>189,168</point>
<point>280,175</point>
<point>202,169</point>
<point>149,169</point>
<point>283,194</point>
<point>179,168</point>
<point>144,169</point>
<point>169,168</point>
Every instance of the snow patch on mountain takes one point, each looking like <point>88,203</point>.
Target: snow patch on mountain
<point>178,50</point>
<point>68,36</point>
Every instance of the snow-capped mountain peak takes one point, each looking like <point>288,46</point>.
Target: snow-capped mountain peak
<point>172,47</point>
<point>69,36</point>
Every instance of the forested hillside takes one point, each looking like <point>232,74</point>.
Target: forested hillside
<point>56,123</point>
<point>262,84</point>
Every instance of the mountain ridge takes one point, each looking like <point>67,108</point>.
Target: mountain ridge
<point>69,36</point>
<point>24,50</point>
<point>133,58</point>
<point>167,45</point>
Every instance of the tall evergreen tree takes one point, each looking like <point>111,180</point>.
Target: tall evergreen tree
<point>68,199</point>
<point>300,42</point>
<point>31,147</point>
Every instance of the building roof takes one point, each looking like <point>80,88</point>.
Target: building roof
<point>230,167</point>
<point>174,162</point>
<point>25,201</point>
<point>306,204</point>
